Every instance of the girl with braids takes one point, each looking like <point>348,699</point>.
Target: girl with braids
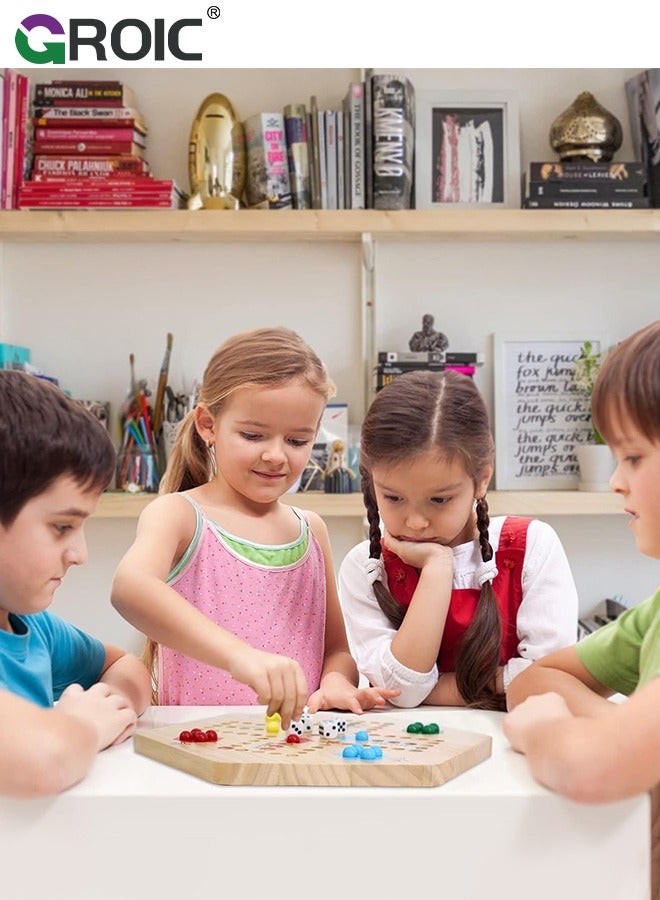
<point>445,604</point>
<point>236,590</point>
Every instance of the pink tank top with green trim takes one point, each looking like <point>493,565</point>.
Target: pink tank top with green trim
<point>280,609</point>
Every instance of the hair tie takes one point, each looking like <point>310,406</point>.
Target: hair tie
<point>489,573</point>
<point>375,569</point>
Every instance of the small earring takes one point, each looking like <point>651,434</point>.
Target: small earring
<point>214,468</point>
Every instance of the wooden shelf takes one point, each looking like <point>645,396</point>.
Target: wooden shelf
<point>115,505</point>
<point>164,226</point>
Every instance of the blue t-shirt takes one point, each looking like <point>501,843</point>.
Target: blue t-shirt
<point>44,655</point>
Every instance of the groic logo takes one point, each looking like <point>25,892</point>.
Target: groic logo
<point>151,39</point>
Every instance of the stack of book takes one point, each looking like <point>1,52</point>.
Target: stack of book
<point>89,150</point>
<point>392,363</point>
<point>356,157</point>
<point>586,185</point>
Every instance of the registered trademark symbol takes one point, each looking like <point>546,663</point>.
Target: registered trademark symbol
<point>213,12</point>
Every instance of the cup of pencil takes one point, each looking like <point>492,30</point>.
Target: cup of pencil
<point>137,470</point>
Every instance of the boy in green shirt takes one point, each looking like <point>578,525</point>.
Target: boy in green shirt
<point>577,742</point>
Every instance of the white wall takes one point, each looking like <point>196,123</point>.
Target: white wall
<point>83,308</point>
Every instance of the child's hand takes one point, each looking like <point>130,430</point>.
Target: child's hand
<point>534,710</point>
<point>278,682</point>
<point>420,554</point>
<point>337,692</point>
<point>110,712</point>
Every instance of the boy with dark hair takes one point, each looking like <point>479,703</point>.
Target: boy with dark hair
<point>55,461</point>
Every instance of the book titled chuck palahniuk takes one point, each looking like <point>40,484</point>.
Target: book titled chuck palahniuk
<point>393,118</point>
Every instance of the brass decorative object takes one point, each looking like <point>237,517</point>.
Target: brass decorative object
<point>586,130</point>
<point>216,158</point>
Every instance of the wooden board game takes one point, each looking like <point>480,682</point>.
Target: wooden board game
<point>246,755</point>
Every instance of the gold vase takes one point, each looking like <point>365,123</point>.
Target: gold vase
<point>586,130</point>
<point>216,158</point>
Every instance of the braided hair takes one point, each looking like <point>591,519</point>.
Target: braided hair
<point>446,412</point>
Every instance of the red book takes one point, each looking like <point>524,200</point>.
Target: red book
<point>88,148</point>
<point>88,203</point>
<point>21,149</point>
<point>118,179</point>
<point>88,134</point>
<point>50,190</point>
<point>88,165</point>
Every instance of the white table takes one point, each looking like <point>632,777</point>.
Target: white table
<point>138,829</point>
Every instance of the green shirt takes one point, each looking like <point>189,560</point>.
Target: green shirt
<point>625,654</point>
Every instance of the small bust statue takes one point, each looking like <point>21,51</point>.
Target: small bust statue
<point>428,338</point>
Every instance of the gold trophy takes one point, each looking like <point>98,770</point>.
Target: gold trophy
<point>216,158</point>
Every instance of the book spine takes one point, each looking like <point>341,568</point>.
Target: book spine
<point>323,163</point>
<point>88,134</point>
<point>434,357</point>
<point>314,159</point>
<point>605,190</point>
<point>267,181</point>
<point>89,182</point>
<point>72,104</point>
<point>10,145</point>
<point>331,156</point>
<point>56,116</point>
<point>22,92</point>
<point>393,139</point>
<point>87,165</point>
<point>411,356</point>
<point>88,148</point>
<point>356,112</point>
<point>591,203</point>
<point>5,133</point>
<point>85,82</point>
<point>368,141</point>
<point>385,374</point>
<point>297,148</point>
<point>80,94</point>
<point>341,161</point>
<point>101,203</point>
<point>551,171</point>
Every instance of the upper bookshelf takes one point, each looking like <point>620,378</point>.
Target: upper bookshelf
<point>159,226</point>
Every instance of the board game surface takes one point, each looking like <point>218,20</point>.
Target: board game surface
<point>245,754</point>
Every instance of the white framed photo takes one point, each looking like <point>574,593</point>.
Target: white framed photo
<point>541,415</point>
<point>467,149</point>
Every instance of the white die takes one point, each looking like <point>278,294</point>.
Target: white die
<point>296,728</point>
<point>306,722</point>
<point>328,729</point>
<point>341,725</point>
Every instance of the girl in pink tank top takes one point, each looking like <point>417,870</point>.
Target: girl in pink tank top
<point>234,588</point>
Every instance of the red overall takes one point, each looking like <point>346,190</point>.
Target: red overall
<point>507,585</point>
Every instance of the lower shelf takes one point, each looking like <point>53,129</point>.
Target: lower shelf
<point>116,505</point>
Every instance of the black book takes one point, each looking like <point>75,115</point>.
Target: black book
<point>414,358</point>
<point>393,118</point>
<point>585,203</point>
<point>584,190</point>
<point>582,169</point>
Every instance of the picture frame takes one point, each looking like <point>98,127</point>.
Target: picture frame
<point>467,150</point>
<point>540,414</point>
